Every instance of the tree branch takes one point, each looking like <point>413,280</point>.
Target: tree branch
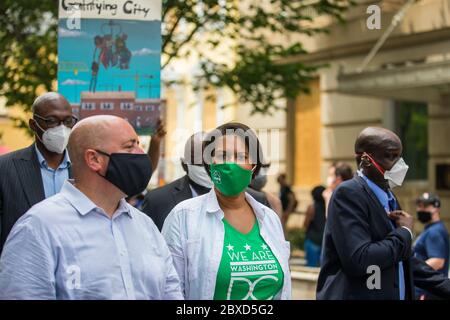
<point>170,34</point>
<point>175,51</point>
<point>177,47</point>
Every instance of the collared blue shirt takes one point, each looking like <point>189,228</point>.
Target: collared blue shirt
<point>52,179</point>
<point>384,197</point>
<point>389,204</point>
<point>433,242</point>
<point>66,247</point>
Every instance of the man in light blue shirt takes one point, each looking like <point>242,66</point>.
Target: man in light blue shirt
<point>86,242</point>
<point>53,179</point>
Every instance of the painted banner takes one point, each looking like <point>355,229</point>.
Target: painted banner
<point>109,59</point>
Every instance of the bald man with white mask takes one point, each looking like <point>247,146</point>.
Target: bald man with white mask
<point>86,242</point>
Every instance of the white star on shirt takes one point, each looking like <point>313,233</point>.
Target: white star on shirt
<point>247,247</point>
<point>230,247</point>
<point>264,246</point>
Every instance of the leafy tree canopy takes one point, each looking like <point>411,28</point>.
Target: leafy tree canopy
<point>28,45</point>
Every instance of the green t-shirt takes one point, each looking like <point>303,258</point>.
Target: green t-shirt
<point>248,269</point>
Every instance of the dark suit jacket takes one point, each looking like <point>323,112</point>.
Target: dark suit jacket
<point>359,234</point>
<point>160,201</point>
<point>21,187</point>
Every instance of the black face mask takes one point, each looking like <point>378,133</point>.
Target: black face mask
<point>424,216</point>
<point>130,172</point>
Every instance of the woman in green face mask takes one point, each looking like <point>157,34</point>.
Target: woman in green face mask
<point>226,245</point>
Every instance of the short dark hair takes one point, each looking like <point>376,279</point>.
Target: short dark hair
<point>241,130</point>
<point>343,170</point>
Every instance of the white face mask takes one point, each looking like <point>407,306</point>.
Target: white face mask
<point>56,139</point>
<point>199,175</point>
<point>397,174</point>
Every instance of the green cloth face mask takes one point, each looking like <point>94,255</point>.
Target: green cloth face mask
<point>230,178</point>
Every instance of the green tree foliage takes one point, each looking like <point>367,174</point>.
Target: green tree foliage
<point>28,45</point>
<point>28,33</point>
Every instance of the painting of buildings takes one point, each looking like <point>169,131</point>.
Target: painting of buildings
<point>141,113</point>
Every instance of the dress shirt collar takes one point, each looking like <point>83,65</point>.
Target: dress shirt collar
<point>65,163</point>
<point>383,196</point>
<point>84,205</point>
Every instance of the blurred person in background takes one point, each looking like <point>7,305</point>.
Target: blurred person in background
<point>314,224</point>
<point>337,173</point>
<point>288,200</point>
<point>432,246</point>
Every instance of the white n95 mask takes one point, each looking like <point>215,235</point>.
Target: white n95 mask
<point>56,139</point>
<point>397,174</point>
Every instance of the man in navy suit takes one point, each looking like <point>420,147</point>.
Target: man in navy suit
<point>367,242</point>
